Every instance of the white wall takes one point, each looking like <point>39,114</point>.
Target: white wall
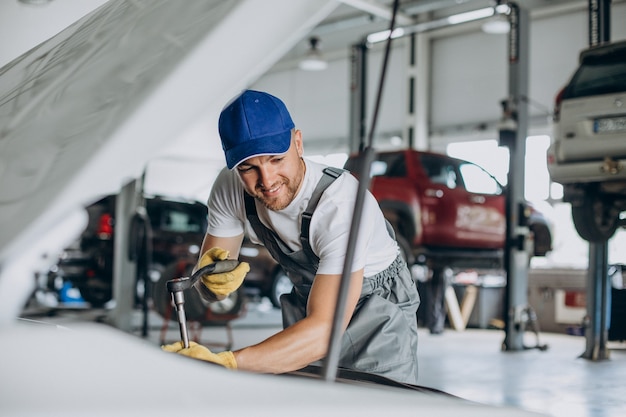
<point>319,102</point>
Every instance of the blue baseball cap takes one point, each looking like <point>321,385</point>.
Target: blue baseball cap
<point>253,124</point>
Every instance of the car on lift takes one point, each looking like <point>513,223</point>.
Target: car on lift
<point>588,151</point>
<point>446,211</point>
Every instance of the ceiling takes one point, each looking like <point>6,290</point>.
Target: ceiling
<point>346,23</point>
<point>27,25</point>
<point>353,20</point>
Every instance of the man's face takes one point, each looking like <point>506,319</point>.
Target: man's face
<point>275,179</point>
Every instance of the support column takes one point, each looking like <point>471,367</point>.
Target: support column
<point>358,95</point>
<point>124,270</point>
<point>598,294</point>
<point>416,130</point>
<point>598,289</point>
<point>513,134</point>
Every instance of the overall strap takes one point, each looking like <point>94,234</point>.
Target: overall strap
<point>330,175</point>
<point>266,235</point>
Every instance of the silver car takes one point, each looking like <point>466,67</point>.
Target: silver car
<point>588,153</point>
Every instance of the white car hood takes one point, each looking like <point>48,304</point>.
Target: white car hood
<point>82,113</point>
<point>96,370</point>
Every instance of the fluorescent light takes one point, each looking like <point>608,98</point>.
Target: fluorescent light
<point>313,60</point>
<point>436,24</point>
<point>499,25</point>
<point>312,63</point>
<point>503,9</point>
<point>469,16</point>
<point>383,35</point>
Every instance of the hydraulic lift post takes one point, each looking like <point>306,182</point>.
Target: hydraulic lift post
<point>513,132</point>
<point>598,289</point>
<point>124,269</point>
<point>358,92</point>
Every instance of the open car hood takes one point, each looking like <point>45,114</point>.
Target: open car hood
<point>93,369</point>
<point>82,113</point>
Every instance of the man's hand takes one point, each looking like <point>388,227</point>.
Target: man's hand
<point>196,351</point>
<point>223,283</point>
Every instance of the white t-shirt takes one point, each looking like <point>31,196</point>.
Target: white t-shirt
<point>330,224</point>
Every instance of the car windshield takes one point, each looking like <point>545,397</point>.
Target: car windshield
<point>477,180</point>
<point>177,219</point>
<point>390,165</point>
<point>599,74</point>
<point>386,164</point>
<point>439,170</point>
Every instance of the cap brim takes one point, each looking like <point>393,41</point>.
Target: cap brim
<point>266,145</point>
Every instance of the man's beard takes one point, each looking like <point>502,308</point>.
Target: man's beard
<point>282,201</point>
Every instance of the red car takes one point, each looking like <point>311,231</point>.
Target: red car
<point>444,209</point>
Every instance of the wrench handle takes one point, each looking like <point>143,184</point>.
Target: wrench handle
<point>183,283</point>
<point>176,287</point>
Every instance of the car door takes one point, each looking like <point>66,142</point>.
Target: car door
<point>481,219</point>
<point>462,207</point>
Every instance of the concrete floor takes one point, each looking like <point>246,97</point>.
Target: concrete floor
<point>468,364</point>
<point>556,381</point>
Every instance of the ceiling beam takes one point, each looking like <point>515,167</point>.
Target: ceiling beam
<point>379,10</point>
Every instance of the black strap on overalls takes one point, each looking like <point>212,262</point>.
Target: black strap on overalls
<point>331,174</point>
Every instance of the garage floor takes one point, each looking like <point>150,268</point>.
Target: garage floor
<point>468,364</point>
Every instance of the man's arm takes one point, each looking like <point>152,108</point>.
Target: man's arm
<point>307,340</point>
<point>231,244</point>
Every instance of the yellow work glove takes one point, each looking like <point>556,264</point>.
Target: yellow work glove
<point>226,282</point>
<point>196,351</point>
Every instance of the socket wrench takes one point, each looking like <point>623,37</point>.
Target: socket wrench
<point>177,286</point>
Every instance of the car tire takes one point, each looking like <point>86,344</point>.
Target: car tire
<point>97,292</point>
<point>281,284</point>
<point>231,305</point>
<point>595,218</point>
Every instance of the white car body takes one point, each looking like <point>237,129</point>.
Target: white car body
<point>588,150</point>
<point>579,151</point>
<point>95,370</point>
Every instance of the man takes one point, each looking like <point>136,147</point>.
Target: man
<point>302,212</point>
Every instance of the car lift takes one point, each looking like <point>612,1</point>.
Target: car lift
<point>127,203</point>
<point>519,315</point>
<point>513,130</point>
<point>598,288</point>
<point>514,135</point>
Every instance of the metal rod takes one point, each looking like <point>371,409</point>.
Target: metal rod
<point>179,301</point>
<point>177,286</point>
<point>332,358</point>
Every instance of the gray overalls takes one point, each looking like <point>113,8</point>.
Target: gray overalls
<point>382,335</point>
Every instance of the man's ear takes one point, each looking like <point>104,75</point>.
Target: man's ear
<point>297,138</point>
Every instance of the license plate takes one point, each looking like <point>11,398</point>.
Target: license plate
<point>610,125</point>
